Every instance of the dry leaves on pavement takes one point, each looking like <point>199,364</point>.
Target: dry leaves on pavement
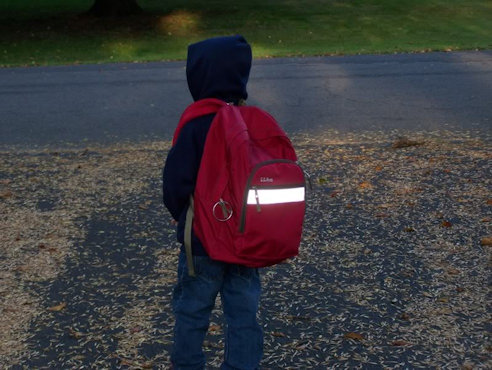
<point>393,269</point>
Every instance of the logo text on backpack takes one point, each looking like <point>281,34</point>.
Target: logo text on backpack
<point>266,179</point>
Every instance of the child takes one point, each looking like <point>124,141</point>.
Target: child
<point>216,68</point>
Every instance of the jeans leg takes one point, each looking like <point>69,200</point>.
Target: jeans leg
<point>240,299</point>
<point>193,301</point>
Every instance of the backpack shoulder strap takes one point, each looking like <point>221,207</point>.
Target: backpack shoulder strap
<point>260,123</point>
<point>199,108</point>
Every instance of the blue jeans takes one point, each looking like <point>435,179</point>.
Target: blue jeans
<point>193,301</point>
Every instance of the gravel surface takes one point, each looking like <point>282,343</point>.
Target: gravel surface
<point>394,270</point>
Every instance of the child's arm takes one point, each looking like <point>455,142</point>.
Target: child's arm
<point>182,163</point>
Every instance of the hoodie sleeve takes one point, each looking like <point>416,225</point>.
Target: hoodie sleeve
<point>182,164</point>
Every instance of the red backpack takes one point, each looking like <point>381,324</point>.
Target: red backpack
<point>249,201</point>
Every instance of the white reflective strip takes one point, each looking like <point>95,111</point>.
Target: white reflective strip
<point>275,196</point>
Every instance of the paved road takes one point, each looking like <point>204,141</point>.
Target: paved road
<point>104,103</point>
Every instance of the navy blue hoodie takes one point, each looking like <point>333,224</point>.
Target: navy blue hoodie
<point>216,68</point>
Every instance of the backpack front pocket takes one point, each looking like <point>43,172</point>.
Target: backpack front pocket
<point>273,211</point>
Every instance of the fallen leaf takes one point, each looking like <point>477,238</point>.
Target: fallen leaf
<point>404,316</point>
<point>47,249</point>
<point>365,185</point>
<point>489,202</point>
<point>214,328</point>
<point>75,334</point>
<point>486,241</point>
<point>145,205</point>
<point>57,308</point>
<point>301,347</point>
<point>453,271</point>
<point>278,334</point>
<point>125,362</point>
<point>354,336</point>
<point>22,268</point>
<point>404,142</point>
<point>446,224</point>
<point>400,343</point>
<point>6,194</point>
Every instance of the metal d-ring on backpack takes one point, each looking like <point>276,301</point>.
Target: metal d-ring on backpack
<point>249,201</point>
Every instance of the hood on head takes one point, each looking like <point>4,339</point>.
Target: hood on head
<point>219,68</point>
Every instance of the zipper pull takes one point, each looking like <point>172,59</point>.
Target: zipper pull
<point>258,208</point>
<point>224,209</point>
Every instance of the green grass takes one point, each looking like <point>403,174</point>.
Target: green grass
<point>49,32</point>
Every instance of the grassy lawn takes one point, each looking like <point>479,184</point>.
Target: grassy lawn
<point>49,32</point>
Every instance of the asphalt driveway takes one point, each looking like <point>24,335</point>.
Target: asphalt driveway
<point>111,103</point>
